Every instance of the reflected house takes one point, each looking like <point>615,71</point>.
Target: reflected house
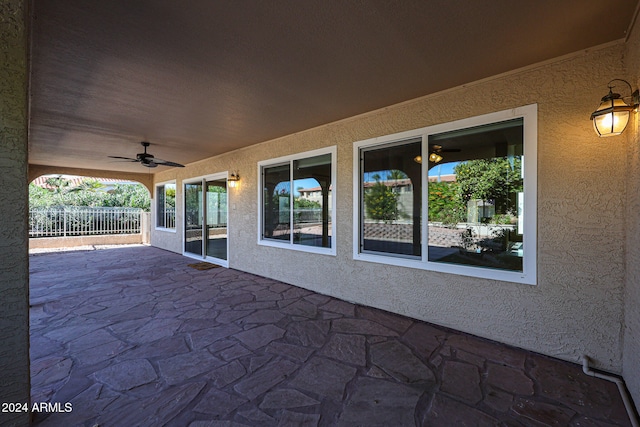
<point>404,189</point>
<point>442,178</point>
<point>314,194</point>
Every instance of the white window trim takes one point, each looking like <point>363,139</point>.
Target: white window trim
<point>530,137</point>
<point>155,207</point>
<point>289,159</point>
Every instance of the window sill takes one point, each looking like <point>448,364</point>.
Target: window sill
<point>166,230</point>
<point>298,248</point>
<point>460,270</point>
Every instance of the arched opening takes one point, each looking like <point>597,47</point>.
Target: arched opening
<point>71,211</point>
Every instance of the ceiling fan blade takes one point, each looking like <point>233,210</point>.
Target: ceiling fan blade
<point>147,159</point>
<point>167,163</point>
<point>124,158</point>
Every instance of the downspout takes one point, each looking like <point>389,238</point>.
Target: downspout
<point>621,388</point>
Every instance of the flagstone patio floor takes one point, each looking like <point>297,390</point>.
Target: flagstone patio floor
<point>134,337</point>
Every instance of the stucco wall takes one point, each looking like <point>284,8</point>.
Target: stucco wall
<point>75,241</point>
<point>631,353</point>
<point>576,307</point>
<point>14,268</point>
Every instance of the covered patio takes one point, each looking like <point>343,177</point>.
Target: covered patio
<point>135,336</point>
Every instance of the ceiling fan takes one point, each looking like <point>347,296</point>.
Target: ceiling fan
<point>148,160</point>
<point>435,152</point>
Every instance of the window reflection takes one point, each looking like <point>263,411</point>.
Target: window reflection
<point>311,203</point>
<point>193,218</point>
<point>475,208</point>
<point>277,191</point>
<point>160,206</point>
<point>166,206</point>
<point>391,199</point>
<point>299,190</point>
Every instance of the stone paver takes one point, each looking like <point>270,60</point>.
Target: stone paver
<point>287,399</point>
<point>265,378</point>
<point>398,361</point>
<point>461,380</point>
<point>347,348</point>
<point>181,367</point>
<point>260,336</point>
<point>324,377</point>
<point>126,375</point>
<point>133,336</point>
<point>511,380</point>
<point>219,403</point>
<point>380,403</point>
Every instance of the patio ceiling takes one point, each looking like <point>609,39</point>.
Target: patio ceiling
<point>203,77</point>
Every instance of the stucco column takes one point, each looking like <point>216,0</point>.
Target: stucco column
<point>14,242</point>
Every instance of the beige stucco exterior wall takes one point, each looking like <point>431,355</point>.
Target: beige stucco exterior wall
<point>14,268</point>
<point>75,241</point>
<point>577,306</point>
<point>631,352</point>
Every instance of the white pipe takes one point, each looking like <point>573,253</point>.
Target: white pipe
<point>621,388</point>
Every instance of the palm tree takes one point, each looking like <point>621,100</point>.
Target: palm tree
<point>58,184</point>
<point>89,185</point>
<point>395,175</point>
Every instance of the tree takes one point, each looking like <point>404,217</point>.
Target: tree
<point>58,184</point>
<point>40,197</point>
<point>381,202</point>
<point>89,185</point>
<point>302,203</point>
<point>395,175</point>
<point>170,196</point>
<point>445,204</point>
<point>88,193</point>
<point>491,180</point>
<point>128,195</point>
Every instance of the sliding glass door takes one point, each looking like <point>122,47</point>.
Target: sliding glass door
<point>193,216</point>
<point>205,226</point>
<point>216,225</point>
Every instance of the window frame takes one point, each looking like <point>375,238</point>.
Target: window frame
<point>289,160</point>
<point>529,114</point>
<point>155,206</point>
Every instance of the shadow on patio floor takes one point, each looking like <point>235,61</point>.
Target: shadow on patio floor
<point>134,337</point>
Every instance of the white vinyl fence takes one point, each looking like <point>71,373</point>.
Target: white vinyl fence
<point>83,221</point>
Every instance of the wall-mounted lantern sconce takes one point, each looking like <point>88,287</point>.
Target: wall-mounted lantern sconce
<point>612,115</point>
<point>233,179</point>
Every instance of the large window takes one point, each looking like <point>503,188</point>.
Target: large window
<point>296,199</point>
<point>452,197</point>
<point>166,206</point>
